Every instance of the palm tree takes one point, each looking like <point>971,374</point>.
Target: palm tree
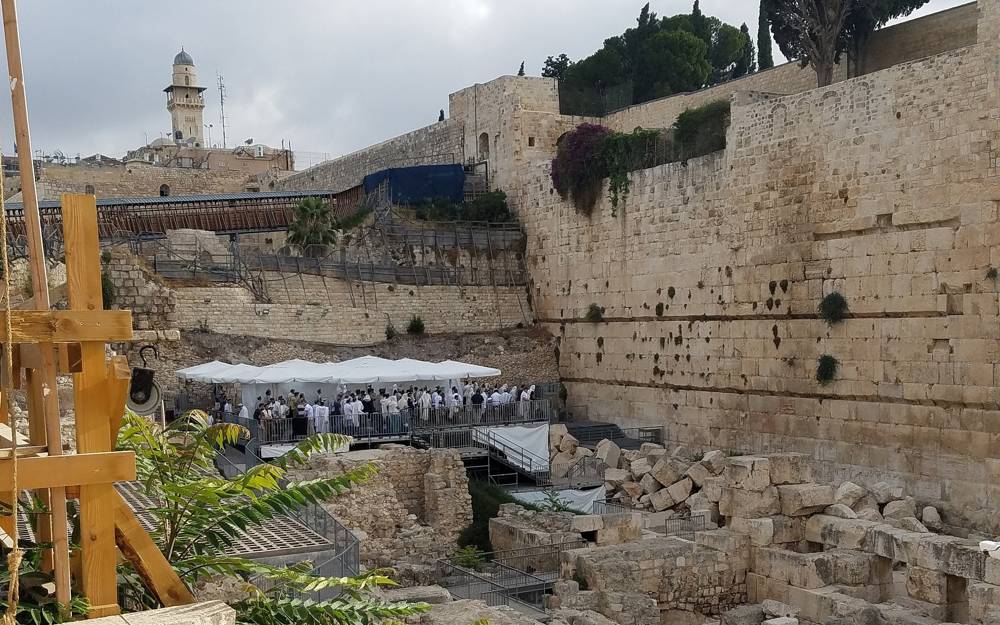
<point>313,225</point>
<point>198,515</point>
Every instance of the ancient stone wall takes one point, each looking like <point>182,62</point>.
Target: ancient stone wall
<point>136,180</point>
<point>309,308</point>
<point>139,290</point>
<point>412,509</point>
<point>438,144</point>
<point>883,188</point>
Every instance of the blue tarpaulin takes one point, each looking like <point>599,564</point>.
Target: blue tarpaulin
<point>416,185</point>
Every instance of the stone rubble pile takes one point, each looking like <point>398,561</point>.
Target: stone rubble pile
<point>656,479</point>
<point>565,451</point>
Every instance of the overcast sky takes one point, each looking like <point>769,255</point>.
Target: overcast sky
<point>328,76</point>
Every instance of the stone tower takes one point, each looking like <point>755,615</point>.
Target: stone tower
<point>185,102</point>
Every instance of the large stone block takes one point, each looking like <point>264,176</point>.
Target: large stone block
<point>948,554</point>
<point>804,499</point>
<point>748,473</point>
<point>649,484</point>
<point>639,467</point>
<point>680,491</point>
<point>747,504</point>
<point>839,533</point>
<point>790,468</point>
<point>849,494</point>
<point>899,509</point>
<point>743,615</point>
<point>714,461</point>
<point>698,473</point>
<point>984,599</point>
<point>925,585</point>
<point>712,487</point>
<point>616,477</point>
<point>897,544</point>
<point>608,452</point>
<point>661,500</point>
<point>668,470</point>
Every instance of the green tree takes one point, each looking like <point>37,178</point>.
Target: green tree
<point>556,66</point>
<point>312,225</point>
<point>765,58</point>
<point>520,72</point>
<point>745,62</point>
<point>671,62</point>
<point>441,116</point>
<point>700,24</point>
<point>199,514</point>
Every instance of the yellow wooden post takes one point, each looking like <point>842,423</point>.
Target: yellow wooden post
<point>90,387</point>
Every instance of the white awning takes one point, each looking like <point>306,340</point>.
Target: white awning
<point>364,370</point>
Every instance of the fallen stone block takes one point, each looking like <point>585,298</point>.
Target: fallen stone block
<point>668,470</point>
<point>736,502</point>
<point>752,473</point>
<point>789,468</point>
<point>899,509</point>
<point>885,492</point>
<point>640,467</point>
<point>743,615</point>
<point>849,494</point>
<point>926,585</point>
<point>649,484</point>
<point>632,489</point>
<point>870,514</point>
<point>608,452</point>
<point>568,443</point>
<point>681,490</point>
<point>586,523</point>
<point>556,433</point>
<point>932,518</point>
<point>726,541</point>
<point>616,477</point>
<point>714,461</point>
<point>782,620</point>
<point>912,524</point>
<point>777,609</point>
<point>661,500</point>
<point>840,510</point>
<point>698,473</point>
<point>839,533</point>
<point>804,499</point>
<point>712,487</point>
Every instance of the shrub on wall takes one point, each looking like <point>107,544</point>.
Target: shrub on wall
<point>107,290</point>
<point>416,325</point>
<point>595,313</point>
<point>579,168</point>
<point>702,130</point>
<point>833,308</point>
<point>826,369</point>
<point>490,207</point>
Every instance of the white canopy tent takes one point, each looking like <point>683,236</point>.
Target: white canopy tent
<point>330,378</point>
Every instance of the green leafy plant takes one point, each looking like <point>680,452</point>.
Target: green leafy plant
<point>833,308</point>
<point>490,207</point>
<point>594,314</point>
<point>552,502</point>
<point>486,501</point>
<point>355,219</point>
<point>198,516</point>
<point>313,225</point>
<point>625,153</point>
<point>991,273</point>
<point>702,130</point>
<point>390,331</point>
<point>826,369</point>
<point>107,289</point>
<point>415,326</point>
<point>469,557</point>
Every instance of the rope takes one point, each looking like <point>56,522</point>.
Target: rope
<point>16,555</point>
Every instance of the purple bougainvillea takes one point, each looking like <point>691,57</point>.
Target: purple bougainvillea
<point>579,167</point>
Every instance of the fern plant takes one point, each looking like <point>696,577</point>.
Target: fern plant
<point>198,515</point>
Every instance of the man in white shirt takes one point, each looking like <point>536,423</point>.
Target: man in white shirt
<point>425,405</point>
<point>244,413</point>
<point>321,418</point>
<point>495,398</point>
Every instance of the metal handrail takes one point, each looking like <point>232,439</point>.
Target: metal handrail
<point>537,466</point>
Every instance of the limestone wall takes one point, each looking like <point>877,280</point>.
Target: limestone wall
<point>307,308</point>
<point>136,180</point>
<point>137,289</point>
<point>883,188</point>
<point>440,143</point>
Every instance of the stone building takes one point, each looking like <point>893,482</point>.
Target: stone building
<point>185,102</point>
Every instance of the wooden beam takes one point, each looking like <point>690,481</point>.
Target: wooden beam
<point>69,326</point>
<point>61,471</point>
<point>147,559</point>
<point>29,356</point>
<point>90,388</point>
<point>119,378</point>
<point>39,285</point>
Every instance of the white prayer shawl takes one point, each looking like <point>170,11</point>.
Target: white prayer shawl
<point>435,400</point>
<point>244,413</point>
<point>384,403</point>
<point>393,405</point>
<point>495,399</point>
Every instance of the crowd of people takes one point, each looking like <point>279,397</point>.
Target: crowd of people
<point>389,409</point>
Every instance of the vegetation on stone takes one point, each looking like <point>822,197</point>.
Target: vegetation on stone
<point>415,326</point>
<point>826,369</point>
<point>833,308</point>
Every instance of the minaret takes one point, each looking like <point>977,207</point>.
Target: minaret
<point>185,102</point>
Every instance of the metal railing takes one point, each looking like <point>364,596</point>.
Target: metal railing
<point>514,455</point>
<point>464,584</point>
<point>684,527</point>
<point>587,471</point>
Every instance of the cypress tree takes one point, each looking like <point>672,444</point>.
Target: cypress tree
<point>765,59</point>
<point>520,72</point>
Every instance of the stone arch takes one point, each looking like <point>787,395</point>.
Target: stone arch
<point>164,190</point>
<point>484,145</point>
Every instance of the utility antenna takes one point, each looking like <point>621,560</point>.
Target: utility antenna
<point>222,108</point>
